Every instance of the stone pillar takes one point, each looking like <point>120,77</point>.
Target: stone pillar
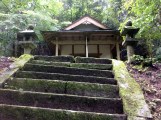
<point>27,50</point>
<point>56,47</point>
<point>86,47</point>
<point>130,41</point>
<point>130,52</point>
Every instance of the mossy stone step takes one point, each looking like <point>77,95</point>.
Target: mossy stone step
<point>42,62</point>
<point>92,66</point>
<point>74,65</point>
<point>61,101</point>
<point>67,70</point>
<point>62,87</point>
<point>64,77</point>
<point>93,60</point>
<point>55,58</point>
<point>13,112</point>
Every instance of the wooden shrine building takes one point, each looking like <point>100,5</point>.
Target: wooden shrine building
<point>85,37</point>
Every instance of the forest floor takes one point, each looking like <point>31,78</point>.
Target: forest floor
<point>148,78</point>
<point>150,82</point>
<point>5,63</point>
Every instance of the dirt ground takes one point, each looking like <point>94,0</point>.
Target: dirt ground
<point>150,82</point>
<point>5,62</point>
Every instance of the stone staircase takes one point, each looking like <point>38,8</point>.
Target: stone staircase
<point>62,88</point>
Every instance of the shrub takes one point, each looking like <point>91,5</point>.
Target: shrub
<point>158,58</point>
<point>158,54</point>
<point>147,62</point>
<point>137,59</point>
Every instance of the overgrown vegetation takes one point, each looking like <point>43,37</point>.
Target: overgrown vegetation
<point>146,15</point>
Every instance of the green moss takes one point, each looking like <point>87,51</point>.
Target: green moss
<point>65,77</point>
<point>19,63</point>
<point>130,92</point>
<point>92,89</point>
<point>92,60</point>
<point>63,87</point>
<point>62,64</point>
<point>76,65</point>
<point>36,85</point>
<point>92,66</point>
<point>59,101</point>
<point>55,58</point>
<point>27,113</point>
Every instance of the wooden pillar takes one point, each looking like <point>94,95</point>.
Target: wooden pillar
<point>98,51</point>
<point>73,49</point>
<point>118,47</point>
<point>118,51</point>
<point>86,47</point>
<point>56,47</point>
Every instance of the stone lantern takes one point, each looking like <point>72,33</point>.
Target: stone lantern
<point>130,41</point>
<point>26,40</point>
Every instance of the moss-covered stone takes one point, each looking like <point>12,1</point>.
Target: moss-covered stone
<point>8,112</point>
<point>94,90</point>
<point>58,101</point>
<point>14,67</point>
<point>74,65</point>
<point>65,77</point>
<point>92,60</point>
<point>55,58</point>
<point>130,92</point>
<point>41,62</point>
<point>36,85</point>
<point>92,66</point>
<point>62,87</point>
<point>67,70</point>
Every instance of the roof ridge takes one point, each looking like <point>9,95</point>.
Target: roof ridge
<point>82,20</point>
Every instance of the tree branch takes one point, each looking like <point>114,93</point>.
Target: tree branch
<point>6,6</point>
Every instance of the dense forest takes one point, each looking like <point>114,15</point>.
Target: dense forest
<point>16,15</point>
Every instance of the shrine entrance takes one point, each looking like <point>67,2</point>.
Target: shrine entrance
<point>86,38</point>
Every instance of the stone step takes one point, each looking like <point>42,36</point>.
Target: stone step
<point>74,65</point>
<point>61,101</point>
<point>72,59</point>
<point>67,70</point>
<point>93,60</point>
<point>55,58</point>
<point>64,77</point>
<point>14,112</point>
<point>62,87</point>
<point>92,66</point>
<point>56,64</point>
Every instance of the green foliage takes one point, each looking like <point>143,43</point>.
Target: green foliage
<point>158,58</point>
<point>158,54</point>
<point>158,51</point>
<point>10,24</point>
<point>15,15</point>
<point>147,62</point>
<point>137,59</point>
<point>144,15</point>
<point>140,60</point>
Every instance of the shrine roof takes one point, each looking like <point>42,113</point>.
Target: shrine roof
<point>86,20</point>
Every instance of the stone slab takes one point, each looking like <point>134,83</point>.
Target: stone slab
<point>130,92</point>
<point>14,67</point>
